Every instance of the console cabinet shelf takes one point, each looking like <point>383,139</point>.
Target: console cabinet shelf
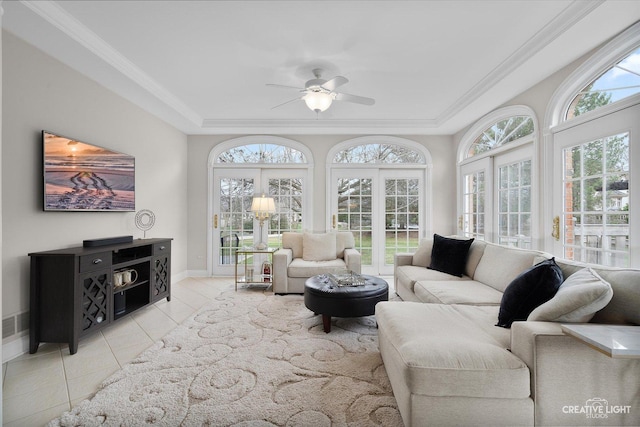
<point>73,292</point>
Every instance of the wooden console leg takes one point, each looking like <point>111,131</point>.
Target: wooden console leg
<point>326,323</point>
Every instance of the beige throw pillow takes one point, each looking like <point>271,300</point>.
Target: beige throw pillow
<point>319,247</point>
<point>422,255</point>
<point>344,240</point>
<point>577,300</point>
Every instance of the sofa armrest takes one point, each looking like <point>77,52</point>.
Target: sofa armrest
<point>567,374</point>
<point>281,260</point>
<point>353,259</point>
<point>523,338</point>
<point>403,259</point>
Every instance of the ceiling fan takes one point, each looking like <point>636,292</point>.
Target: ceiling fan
<point>318,93</point>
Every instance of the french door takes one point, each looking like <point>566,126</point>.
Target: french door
<point>382,208</point>
<point>496,198</point>
<point>475,211</point>
<point>513,178</point>
<point>234,225</point>
<point>593,197</point>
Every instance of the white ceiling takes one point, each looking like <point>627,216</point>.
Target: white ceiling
<point>433,67</point>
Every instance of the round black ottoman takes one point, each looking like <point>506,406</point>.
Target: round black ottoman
<point>323,297</point>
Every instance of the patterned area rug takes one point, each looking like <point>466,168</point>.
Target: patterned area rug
<point>250,359</point>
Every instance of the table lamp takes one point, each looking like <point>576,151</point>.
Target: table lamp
<point>262,207</point>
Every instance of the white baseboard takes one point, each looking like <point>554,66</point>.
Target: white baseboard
<point>175,278</point>
<point>15,348</point>
<point>197,273</point>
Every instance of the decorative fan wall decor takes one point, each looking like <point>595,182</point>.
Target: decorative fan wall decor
<point>145,219</point>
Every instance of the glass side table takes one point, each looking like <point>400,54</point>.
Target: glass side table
<point>616,341</point>
<point>249,276</point>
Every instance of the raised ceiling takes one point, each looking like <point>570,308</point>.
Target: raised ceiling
<point>433,67</point>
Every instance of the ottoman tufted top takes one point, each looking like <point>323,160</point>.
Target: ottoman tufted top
<point>320,286</point>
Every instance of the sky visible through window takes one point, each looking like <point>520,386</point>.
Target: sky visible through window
<point>262,153</point>
<point>500,133</point>
<point>619,82</point>
<point>623,79</point>
<point>379,153</point>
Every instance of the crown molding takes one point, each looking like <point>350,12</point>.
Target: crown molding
<point>571,15</point>
<point>60,19</point>
<point>320,126</point>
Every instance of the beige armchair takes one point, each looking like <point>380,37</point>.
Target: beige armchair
<point>305,254</point>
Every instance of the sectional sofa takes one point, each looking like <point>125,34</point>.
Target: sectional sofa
<point>449,364</point>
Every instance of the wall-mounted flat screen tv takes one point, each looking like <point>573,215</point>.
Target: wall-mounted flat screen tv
<point>83,177</point>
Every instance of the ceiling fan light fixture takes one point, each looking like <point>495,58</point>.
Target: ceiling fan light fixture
<point>318,101</point>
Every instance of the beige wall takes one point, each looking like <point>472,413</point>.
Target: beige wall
<point>39,93</point>
<point>537,98</point>
<point>199,147</point>
<point>42,93</point>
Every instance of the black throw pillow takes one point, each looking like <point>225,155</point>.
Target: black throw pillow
<point>449,255</point>
<point>530,289</point>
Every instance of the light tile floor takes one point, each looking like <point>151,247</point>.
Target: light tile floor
<point>39,387</point>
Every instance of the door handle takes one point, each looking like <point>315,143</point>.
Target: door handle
<point>555,230</point>
<point>215,221</point>
<point>333,221</point>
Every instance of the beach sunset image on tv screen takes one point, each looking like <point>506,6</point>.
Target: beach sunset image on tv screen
<point>84,177</point>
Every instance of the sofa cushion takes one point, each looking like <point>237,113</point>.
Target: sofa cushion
<point>293,241</point>
<point>449,255</point>
<point>499,265</point>
<point>445,353</point>
<point>529,290</point>
<point>319,247</point>
<point>344,240</point>
<point>577,299</point>
<point>457,292</point>
<point>473,259</point>
<point>408,275</point>
<point>623,307</point>
<point>422,255</point>
<point>302,268</point>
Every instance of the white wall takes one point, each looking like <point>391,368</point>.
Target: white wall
<point>199,146</point>
<point>42,93</point>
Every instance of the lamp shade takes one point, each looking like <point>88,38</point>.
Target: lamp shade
<point>263,205</point>
<point>318,101</point>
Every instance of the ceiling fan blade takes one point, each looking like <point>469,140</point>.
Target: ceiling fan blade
<point>285,86</point>
<point>335,82</point>
<point>287,102</point>
<point>355,98</point>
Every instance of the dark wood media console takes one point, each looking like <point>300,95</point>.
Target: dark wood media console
<point>73,292</point>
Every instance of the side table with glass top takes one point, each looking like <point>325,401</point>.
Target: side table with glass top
<point>246,258</point>
<point>616,341</point>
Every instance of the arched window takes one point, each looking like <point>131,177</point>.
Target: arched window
<point>243,168</point>
<point>620,81</point>
<point>261,153</point>
<point>379,153</point>
<point>380,191</point>
<point>501,133</point>
<point>593,130</point>
<point>497,191</point>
